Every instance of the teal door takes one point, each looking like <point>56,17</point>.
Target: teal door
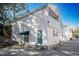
<point>39,37</point>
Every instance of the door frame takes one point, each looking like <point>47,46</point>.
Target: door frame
<point>39,38</point>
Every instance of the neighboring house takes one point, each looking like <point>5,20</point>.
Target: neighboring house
<point>41,27</point>
<point>67,32</point>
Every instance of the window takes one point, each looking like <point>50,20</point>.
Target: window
<point>55,33</point>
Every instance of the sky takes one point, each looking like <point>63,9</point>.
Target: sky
<point>68,12</point>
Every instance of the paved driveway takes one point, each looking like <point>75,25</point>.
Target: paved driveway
<point>70,48</point>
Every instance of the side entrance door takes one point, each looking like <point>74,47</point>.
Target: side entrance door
<point>39,37</point>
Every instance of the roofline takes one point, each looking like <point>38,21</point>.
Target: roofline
<point>37,9</point>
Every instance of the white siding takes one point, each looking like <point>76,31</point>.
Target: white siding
<point>33,22</point>
<point>53,25</point>
<point>37,21</point>
<point>67,33</point>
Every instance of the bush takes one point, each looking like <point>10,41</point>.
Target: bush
<point>75,33</point>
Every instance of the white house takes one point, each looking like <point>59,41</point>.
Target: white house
<point>66,32</point>
<point>41,26</point>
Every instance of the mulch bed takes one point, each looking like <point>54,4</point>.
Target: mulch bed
<point>6,44</point>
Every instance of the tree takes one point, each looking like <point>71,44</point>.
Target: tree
<point>12,11</point>
<point>75,33</point>
<point>19,10</point>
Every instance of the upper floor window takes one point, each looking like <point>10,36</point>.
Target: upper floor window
<point>55,33</point>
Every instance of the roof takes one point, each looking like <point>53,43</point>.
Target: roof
<point>37,9</point>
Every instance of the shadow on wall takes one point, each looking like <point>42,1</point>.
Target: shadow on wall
<point>28,23</point>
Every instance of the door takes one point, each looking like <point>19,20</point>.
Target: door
<point>39,37</point>
<point>26,36</point>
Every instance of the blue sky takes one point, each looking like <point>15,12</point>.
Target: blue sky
<point>69,12</point>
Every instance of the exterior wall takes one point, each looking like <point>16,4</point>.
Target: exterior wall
<point>67,33</point>
<point>52,40</point>
<point>54,25</point>
<point>37,21</point>
<point>33,22</point>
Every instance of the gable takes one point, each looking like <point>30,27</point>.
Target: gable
<point>53,14</point>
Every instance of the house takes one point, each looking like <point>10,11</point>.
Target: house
<point>66,32</point>
<point>41,27</point>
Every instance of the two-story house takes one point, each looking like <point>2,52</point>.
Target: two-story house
<point>41,27</point>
